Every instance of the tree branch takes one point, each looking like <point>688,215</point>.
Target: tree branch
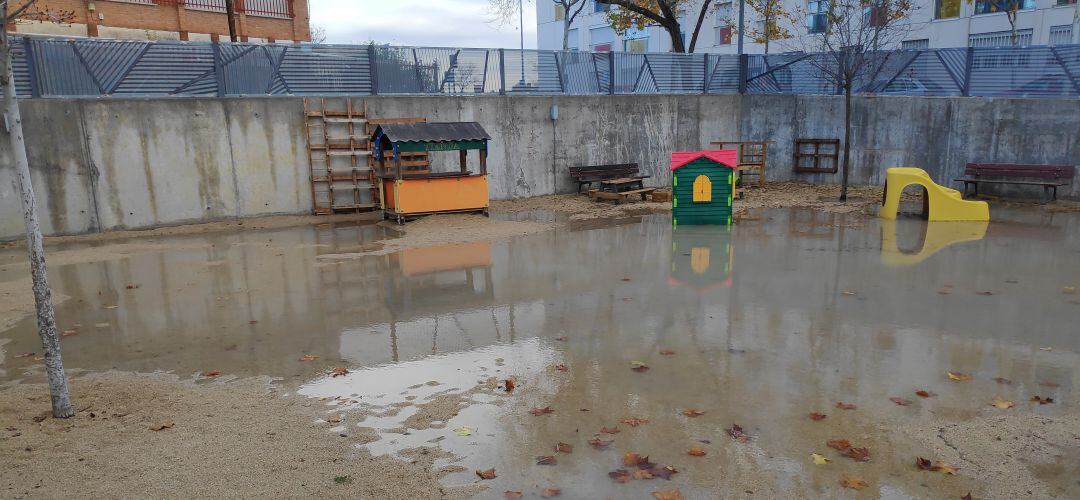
<point>697,27</point>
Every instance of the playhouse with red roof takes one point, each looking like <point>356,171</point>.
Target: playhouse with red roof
<point>703,186</point>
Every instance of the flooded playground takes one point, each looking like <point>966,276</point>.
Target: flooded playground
<point>713,351</point>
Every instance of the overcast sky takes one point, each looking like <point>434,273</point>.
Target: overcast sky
<point>437,23</point>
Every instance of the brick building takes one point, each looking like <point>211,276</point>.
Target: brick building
<point>256,20</point>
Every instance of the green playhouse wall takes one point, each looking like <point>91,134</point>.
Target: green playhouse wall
<point>683,208</point>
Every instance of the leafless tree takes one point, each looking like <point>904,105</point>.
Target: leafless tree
<point>50,342</point>
<point>1010,8</point>
<point>506,10</point>
<point>847,35</point>
<point>318,34</point>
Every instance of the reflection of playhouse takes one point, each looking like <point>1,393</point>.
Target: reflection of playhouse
<point>701,257</point>
<point>702,186</point>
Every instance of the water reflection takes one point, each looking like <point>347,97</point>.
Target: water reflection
<point>701,257</point>
<point>933,237</point>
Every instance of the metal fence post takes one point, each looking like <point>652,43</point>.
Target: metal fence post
<point>967,70</point>
<point>744,61</point>
<point>219,69</point>
<point>373,69</point>
<point>502,72</point>
<point>611,72</point>
<point>31,68</point>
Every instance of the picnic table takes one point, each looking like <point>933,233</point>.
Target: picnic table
<point>622,189</point>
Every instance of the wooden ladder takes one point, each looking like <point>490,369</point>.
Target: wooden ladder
<point>338,147</point>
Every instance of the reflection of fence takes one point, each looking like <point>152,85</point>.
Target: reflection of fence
<point>52,67</point>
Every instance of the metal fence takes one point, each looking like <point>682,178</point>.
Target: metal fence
<point>55,67</point>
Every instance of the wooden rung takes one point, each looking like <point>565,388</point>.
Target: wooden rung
<point>345,152</point>
<point>354,205</point>
<point>344,120</point>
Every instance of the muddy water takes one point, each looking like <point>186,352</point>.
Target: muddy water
<point>787,313</point>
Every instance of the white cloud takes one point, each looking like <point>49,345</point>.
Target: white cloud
<point>434,23</point>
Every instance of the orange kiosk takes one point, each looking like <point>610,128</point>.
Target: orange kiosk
<point>404,194</point>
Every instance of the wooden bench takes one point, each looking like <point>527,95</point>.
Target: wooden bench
<point>586,175</point>
<point>1050,177</point>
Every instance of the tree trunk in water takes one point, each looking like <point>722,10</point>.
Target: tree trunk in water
<point>847,143</point>
<point>50,341</point>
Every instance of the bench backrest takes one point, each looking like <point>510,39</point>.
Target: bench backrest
<point>1020,170</point>
<point>605,171</point>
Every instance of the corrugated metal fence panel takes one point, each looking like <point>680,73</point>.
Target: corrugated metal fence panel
<point>532,72</point>
<point>579,70</point>
<point>19,67</point>
<point>723,74</point>
<point>60,71</point>
<point>678,73</point>
<point>1019,72</point>
<point>171,68</point>
<point>326,69</point>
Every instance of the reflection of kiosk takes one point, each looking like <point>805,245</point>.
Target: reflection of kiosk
<point>442,277</point>
<point>403,194</point>
<point>701,257</point>
<point>935,237</point>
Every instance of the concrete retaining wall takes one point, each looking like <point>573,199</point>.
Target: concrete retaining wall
<point>138,163</point>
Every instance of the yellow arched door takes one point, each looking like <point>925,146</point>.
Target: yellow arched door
<point>702,189</point>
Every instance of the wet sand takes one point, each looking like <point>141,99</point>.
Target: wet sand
<point>787,313</point>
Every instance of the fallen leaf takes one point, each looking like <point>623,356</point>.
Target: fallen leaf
<point>508,385</point>
<point>609,430</point>
<point>41,418</point>
<point>925,394</point>
<point>638,366</point>
<point>819,459</point>
<point>633,421</point>
<point>561,339</point>
<point>984,293</point>
<point>620,475</point>
<point>737,434</point>
<point>131,286</point>
<point>923,463</point>
<point>101,325</point>
<point>252,322</point>
<point>847,293</point>
<point>1047,383</point>
<point>693,412</point>
<point>642,475</point>
<point>1047,349</point>
<point>486,474</point>
<point>596,442</point>
<point>546,460</point>
<point>308,357</point>
<point>551,492</point>
<point>1004,404</point>
<point>1041,400</point>
<point>959,377</point>
<point>635,460</point>
<point>564,448</point>
<point>334,419</point>
<point>838,444</point>
<point>966,497</point>
<point>168,424</point>
<point>663,471</point>
<point>1003,381</point>
<point>69,333</point>
<point>111,307</point>
<point>624,279</point>
<point>464,431</point>
<point>542,411</point>
<point>857,454</point>
<point>561,367</point>
<point>853,483</point>
<point>900,401</point>
<point>845,406</point>
<point>667,352</point>
<point>512,494</point>
<point>696,452</point>
<point>211,373</point>
<point>25,355</point>
<point>944,468</point>
<point>1068,290</point>
<point>338,371</point>
<point>817,416</point>
<point>945,290</point>
<point>672,494</point>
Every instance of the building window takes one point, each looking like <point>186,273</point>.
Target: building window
<point>816,17</point>
<point>601,39</point>
<point>560,12</point>
<point>1065,2</point>
<point>923,43</point>
<point>601,7</point>
<point>572,40</point>
<point>1061,35</point>
<point>722,25</point>
<point>1000,39</point>
<point>259,8</point>
<point>702,189</point>
<point>945,9</point>
<point>635,40</point>
<point>992,6</point>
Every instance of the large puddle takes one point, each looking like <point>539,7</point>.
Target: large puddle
<point>787,313</point>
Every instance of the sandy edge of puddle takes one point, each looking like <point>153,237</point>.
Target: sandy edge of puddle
<point>235,436</point>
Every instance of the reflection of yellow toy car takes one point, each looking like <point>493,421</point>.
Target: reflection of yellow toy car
<point>942,203</point>
<point>936,237</point>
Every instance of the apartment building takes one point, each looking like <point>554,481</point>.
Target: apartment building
<point>933,24</point>
<point>256,20</point>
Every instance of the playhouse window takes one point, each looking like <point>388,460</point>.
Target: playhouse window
<point>702,189</point>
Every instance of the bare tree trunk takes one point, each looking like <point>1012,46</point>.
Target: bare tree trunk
<point>847,142</point>
<point>566,31</point>
<point>1076,24</point>
<point>230,16</point>
<point>50,342</point>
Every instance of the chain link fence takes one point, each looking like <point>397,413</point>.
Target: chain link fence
<point>62,67</point>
